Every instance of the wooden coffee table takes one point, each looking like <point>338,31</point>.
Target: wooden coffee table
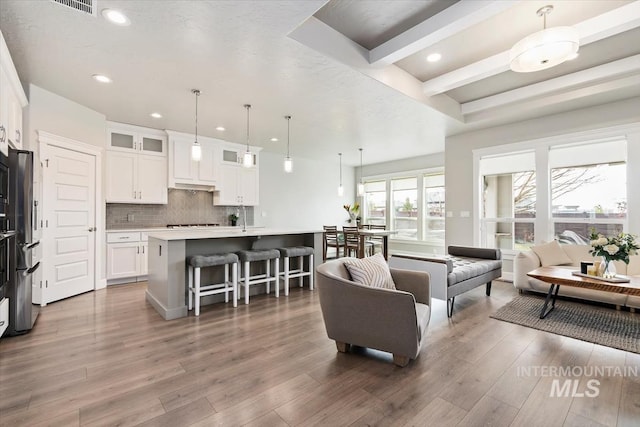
<point>561,276</point>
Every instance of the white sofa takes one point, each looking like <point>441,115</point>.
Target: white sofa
<point>527,261</point>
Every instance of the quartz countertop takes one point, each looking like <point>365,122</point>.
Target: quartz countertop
<point>154,229</point>
<point>224,232</point>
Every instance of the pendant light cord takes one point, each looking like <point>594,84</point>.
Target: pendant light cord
<point>361,166</point>
<point>247,106</point>
<point>288,133</point>
<point>340,154</point>
<point>196,92</point>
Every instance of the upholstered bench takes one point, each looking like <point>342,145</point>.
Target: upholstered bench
<point>465,268</point>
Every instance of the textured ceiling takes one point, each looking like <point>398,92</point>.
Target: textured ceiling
<point>312,60</point>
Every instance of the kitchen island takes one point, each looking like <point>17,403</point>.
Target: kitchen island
<point>168,251</point>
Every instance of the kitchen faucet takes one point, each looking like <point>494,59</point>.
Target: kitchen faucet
<point>244,218</point>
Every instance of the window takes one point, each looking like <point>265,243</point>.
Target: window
<point>508,200</point>
<point>588,190</point>
<point>434,210</point>
<point>375,202</point>
<point>405,207</point>
<point>553,191</point>
<point>412,204</point>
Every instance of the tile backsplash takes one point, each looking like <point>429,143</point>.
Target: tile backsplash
<point>183,207</point>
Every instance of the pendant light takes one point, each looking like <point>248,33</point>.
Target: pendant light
<point>196,149</point>
<point>247,159</point>
<point>546,48</point>
<point>360,184</point>
<point>288,163</point>
<point>340,188</point>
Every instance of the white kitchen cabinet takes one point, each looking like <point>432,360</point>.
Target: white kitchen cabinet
<point>127,256</point>
<point>237,186</point>
<point>184,172</point>
<point>12,101</point>
<point>235,155</point>
<point>14,130</point>
<point>135,178</point>
<point>4,111</point>
<point>129,138</point>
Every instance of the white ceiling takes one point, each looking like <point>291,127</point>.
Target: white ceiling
<point>351,73</point>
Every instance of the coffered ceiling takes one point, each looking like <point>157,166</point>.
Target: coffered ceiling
<point>351,73</point>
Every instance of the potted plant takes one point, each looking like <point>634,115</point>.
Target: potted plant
<point>233,218</point>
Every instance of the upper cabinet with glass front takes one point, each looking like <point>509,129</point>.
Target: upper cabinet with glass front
<point>129,138</point>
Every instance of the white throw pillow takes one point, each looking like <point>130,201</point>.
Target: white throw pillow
<point>551,254</point>
<point>371,271</point>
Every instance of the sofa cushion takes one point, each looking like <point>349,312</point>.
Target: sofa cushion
<point>578,253</point>
<point>466,268</point>
<point>551,254</point>
<point>371,271</point>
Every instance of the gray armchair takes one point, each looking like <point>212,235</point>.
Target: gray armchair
<point>389,320</point>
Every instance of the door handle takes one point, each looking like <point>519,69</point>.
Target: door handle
<point>31,270</point>
<point>91,229</point>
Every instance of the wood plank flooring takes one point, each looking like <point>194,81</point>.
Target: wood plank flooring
<point>107,358</point>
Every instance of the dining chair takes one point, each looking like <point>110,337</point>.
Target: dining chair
<point>351,242</point>
<point>331,240</point>
<point>376,242</point>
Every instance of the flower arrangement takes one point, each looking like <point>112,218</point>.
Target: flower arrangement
<point>615,248</point>
<point>352,211</point>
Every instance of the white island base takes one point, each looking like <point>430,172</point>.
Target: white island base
<point>168,251</point>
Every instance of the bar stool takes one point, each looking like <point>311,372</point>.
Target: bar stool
<point>300,252</point>
<point>255,255</point>
<point>197,262</point>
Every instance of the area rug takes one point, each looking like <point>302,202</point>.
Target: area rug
<point>591,323</point>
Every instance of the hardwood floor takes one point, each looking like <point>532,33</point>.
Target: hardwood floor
<point>107,358</point>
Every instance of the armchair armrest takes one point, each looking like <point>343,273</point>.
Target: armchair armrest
<point>415,282</point>
<point>470,252</point>
<point>524,262</point>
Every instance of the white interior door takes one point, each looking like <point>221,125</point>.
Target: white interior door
<point>70,221</point>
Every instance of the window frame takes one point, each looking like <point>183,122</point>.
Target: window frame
<point>544,222</point>
<point>419,174</point>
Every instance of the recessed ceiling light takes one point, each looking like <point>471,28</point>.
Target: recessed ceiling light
<point>220,128</point>
<point>274,139</point>
<point>101,78</point>
<point>434,57</point>
<point>116,17</point>
<point>156,115</point>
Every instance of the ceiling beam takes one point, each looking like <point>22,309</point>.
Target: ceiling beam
<point>597,28</point>
<point>547,103</point>
<point>452,20</point>
<point>569,81</point>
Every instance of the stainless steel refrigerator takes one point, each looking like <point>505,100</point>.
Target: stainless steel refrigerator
<point>22,312</point>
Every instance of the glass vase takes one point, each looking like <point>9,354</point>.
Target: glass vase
<point>608,269</point>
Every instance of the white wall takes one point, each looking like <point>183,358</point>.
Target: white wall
<point>60,116</point>
<point>459,156</point>
<point>307,197</point>
<point>410,164</point>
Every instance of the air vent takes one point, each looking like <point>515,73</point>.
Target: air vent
<point>84,6</point>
